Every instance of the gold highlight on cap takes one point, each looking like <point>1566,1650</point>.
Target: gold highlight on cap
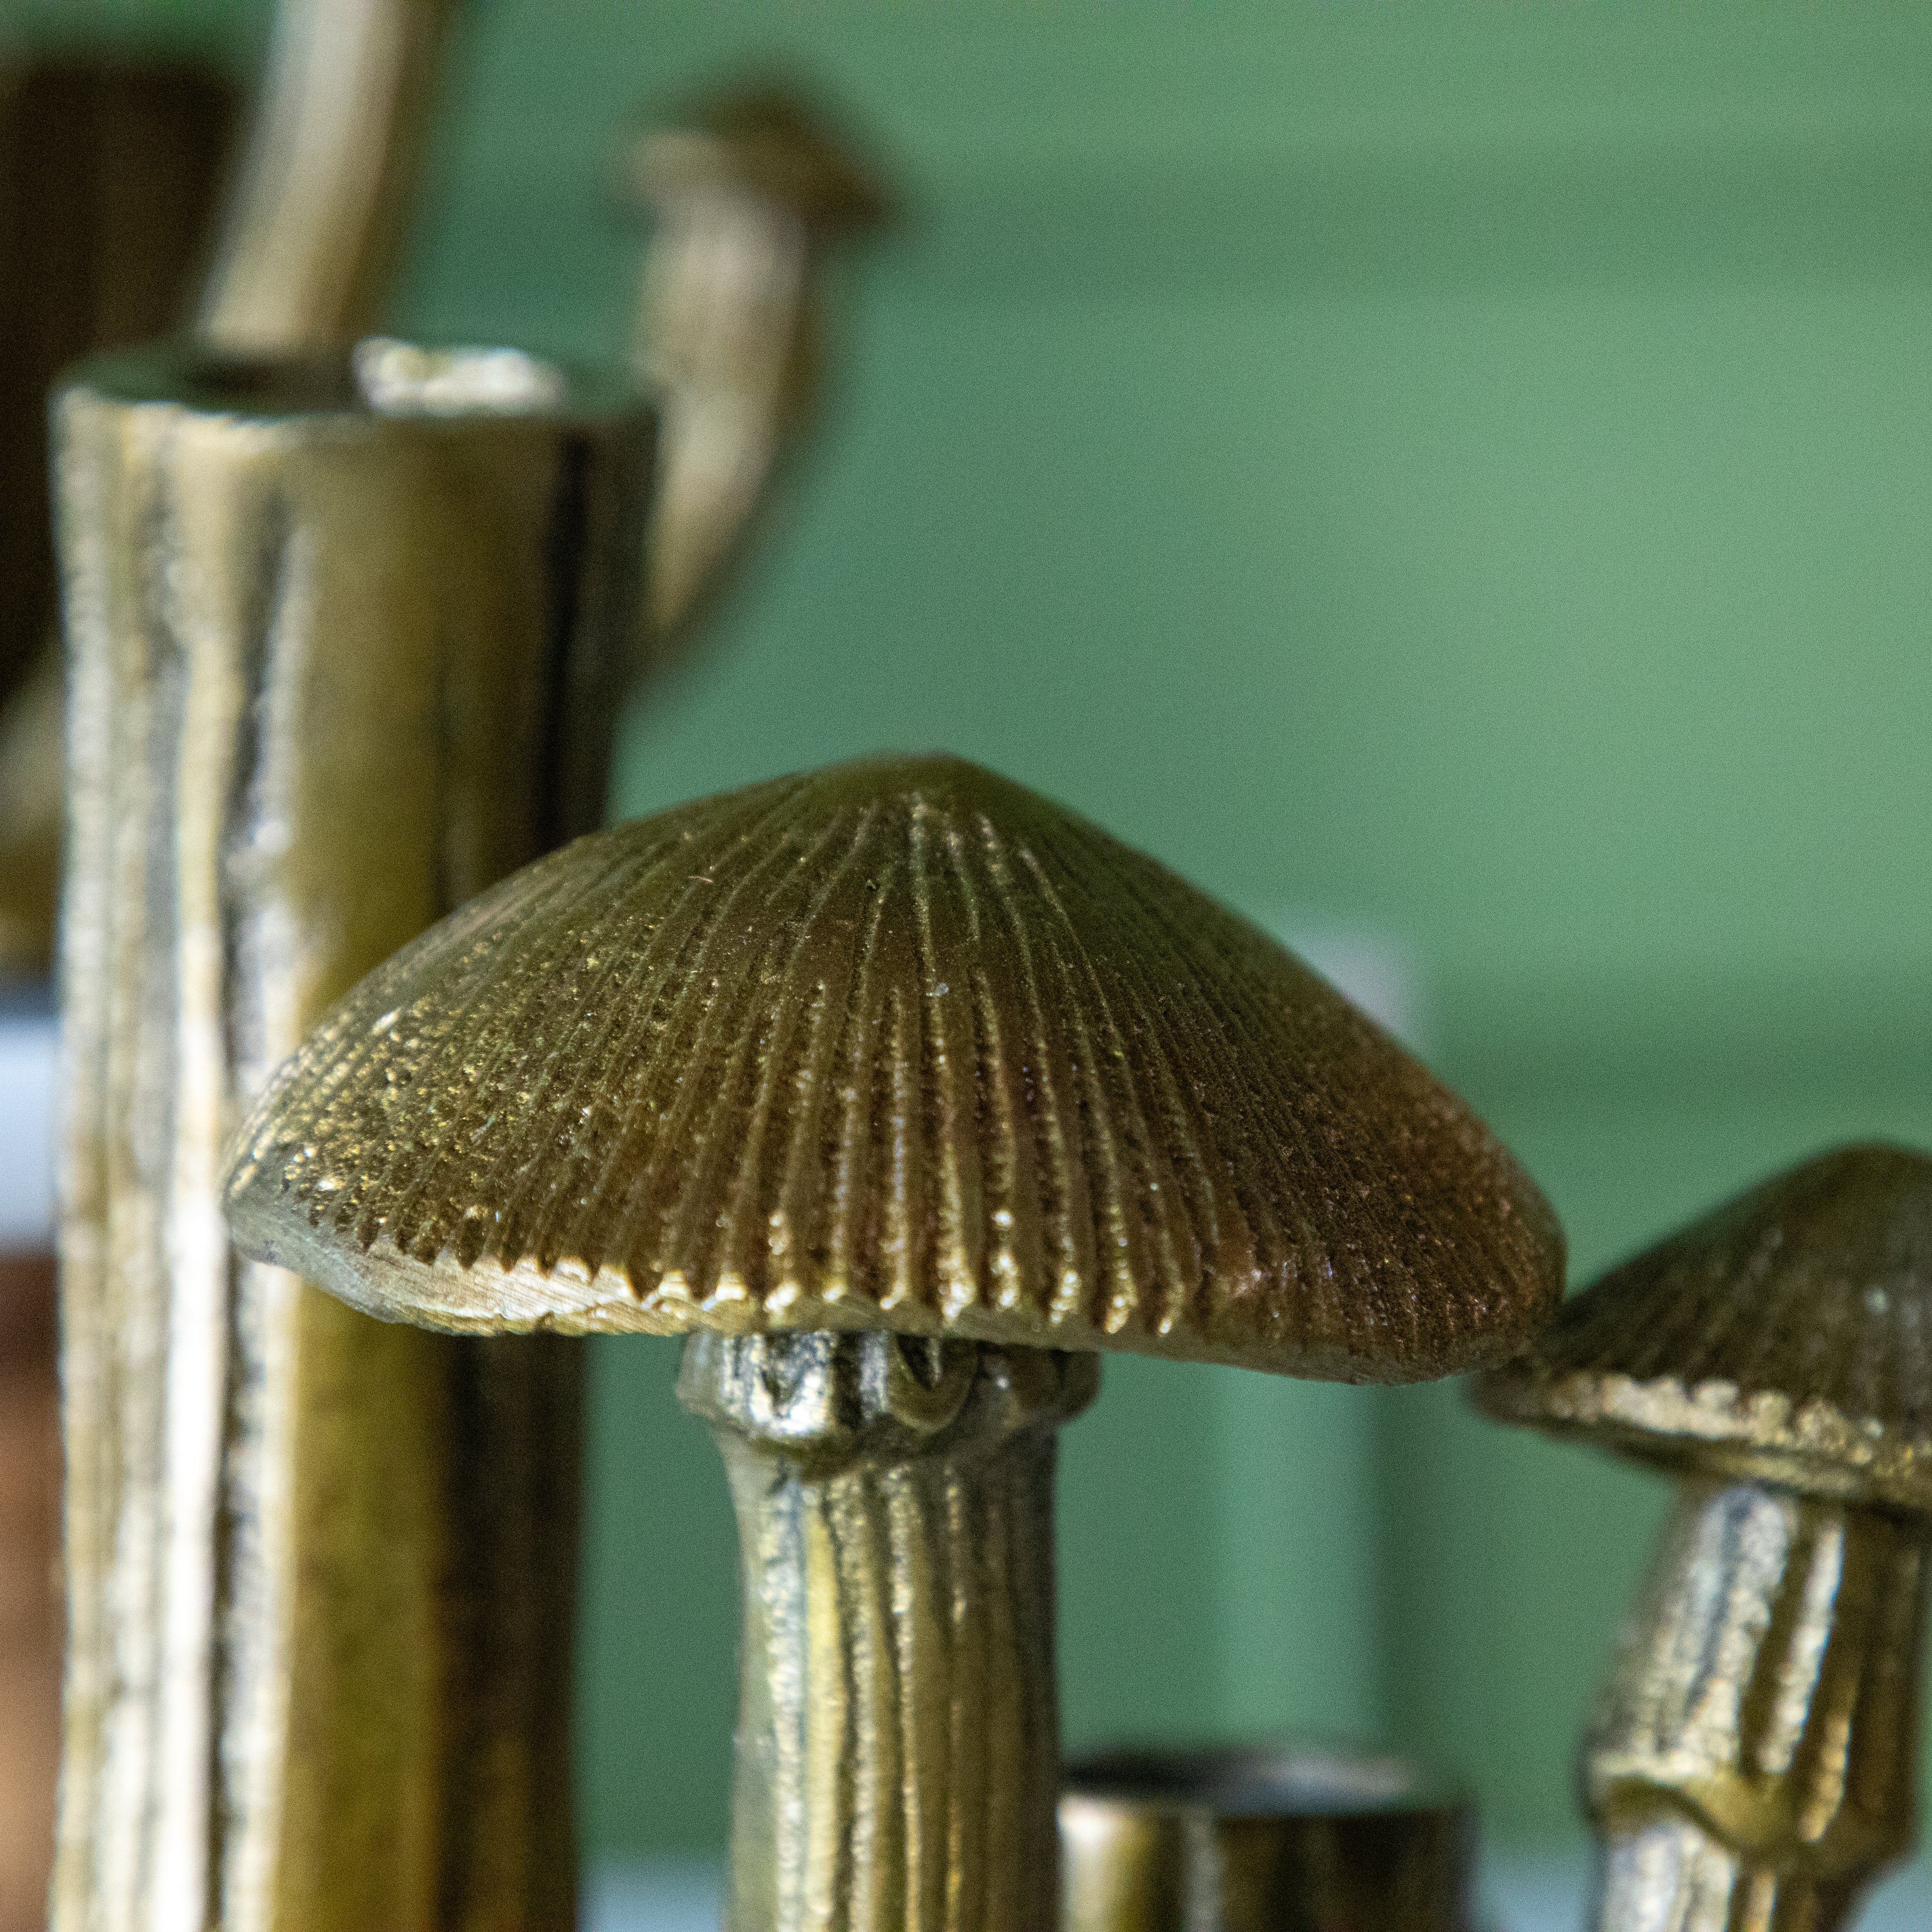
<point>1786,1337</point>
<point>898,1044</point>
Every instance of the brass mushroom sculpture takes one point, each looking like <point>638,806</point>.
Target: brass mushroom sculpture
<point>750,199</point>
<point>1751,1761</point>
<point>902,1091</point>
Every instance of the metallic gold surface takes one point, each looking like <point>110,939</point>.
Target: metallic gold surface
<point>327,664</point>
<point>318,211</point>
<point>747,202</point>
<point>1786,1337</point>
<point>1751,1765</point>
<point>897,1749</point>
<point>896,1045</point>
<point>1752,1761</point>
<point>1262,1838</point>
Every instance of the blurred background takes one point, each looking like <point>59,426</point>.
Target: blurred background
<point>1455,483</point>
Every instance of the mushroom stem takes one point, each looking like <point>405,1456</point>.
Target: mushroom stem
<point>728,311</point>
<point>318,209</point>
<point>747,206</point>
<point>898,1746</point>
<point>1750,1762</point>
<point>318,1573</point>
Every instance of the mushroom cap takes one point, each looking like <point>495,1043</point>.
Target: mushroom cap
<point>1786,1337</point>
<point>764,141</point>
<point>895,1045</point>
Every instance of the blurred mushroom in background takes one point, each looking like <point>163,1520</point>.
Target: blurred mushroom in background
<point>750,196</point>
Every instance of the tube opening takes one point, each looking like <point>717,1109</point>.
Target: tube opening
<point>1255,1780</point>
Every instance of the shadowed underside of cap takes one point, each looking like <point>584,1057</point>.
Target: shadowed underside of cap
<point>1785,1337</point>
<point>895,1045</point>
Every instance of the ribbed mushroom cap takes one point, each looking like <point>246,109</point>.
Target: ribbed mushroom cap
<point>1786,1337</point>
<point>895,1045</point>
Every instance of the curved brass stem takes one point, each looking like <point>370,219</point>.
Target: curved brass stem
<point>898,1753</point>
<point>727,308</point>
<point>1751,1763</point>
<point>747,206</point>
<point>317,216</point>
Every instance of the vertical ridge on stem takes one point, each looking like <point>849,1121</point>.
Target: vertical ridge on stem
<point>320,1568</point>
<point>898,1742</point>
<point>1751,1761</point>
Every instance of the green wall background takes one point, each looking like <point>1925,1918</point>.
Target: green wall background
<point>1461,472</point>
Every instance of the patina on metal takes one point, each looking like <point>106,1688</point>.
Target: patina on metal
<point>345,637</point>
<point>749,196</point>
<point>898,1047</point>
<point>1752,1760</point>
<point>1295,1837</point>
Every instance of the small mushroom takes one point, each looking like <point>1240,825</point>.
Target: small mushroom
<point>902,1091</point>
<point>1750,1762</point>
<point>749,196</point>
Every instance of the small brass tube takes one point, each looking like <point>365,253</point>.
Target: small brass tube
<point>1751,1766</point>
<point>1263,1837</point>
<point>898,1752</point>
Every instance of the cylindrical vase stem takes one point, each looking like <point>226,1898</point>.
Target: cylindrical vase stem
<point>325,635</point>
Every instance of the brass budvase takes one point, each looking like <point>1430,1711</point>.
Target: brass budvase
<point>344,639</point>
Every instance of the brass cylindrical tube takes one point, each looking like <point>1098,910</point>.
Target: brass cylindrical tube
<point>897,1747</point>
<point>1262,1838</point>
<point>1752,1760</point>
<point>343,644</point>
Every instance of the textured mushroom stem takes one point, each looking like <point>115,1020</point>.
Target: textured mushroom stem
<point>318,210</point>
<point>897,1749</point>
<point>320,1569</point>
<point>1751,1765</point>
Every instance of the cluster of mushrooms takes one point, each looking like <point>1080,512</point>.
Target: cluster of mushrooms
<point>903,1094</point>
